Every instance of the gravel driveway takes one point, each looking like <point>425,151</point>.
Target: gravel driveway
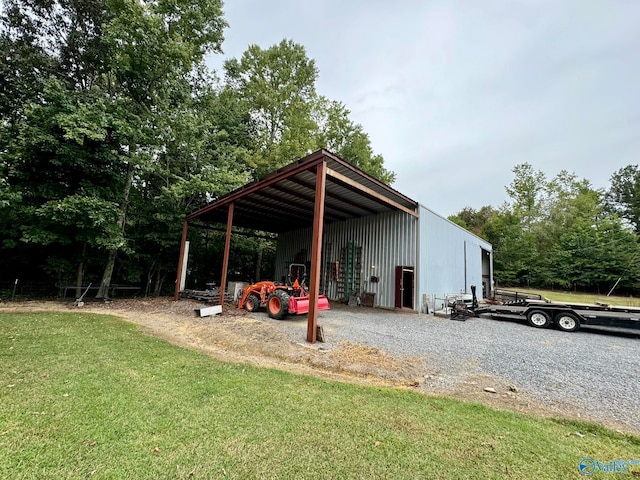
<point>594,373</point>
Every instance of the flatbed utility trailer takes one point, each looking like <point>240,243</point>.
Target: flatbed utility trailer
<point>566,316</point>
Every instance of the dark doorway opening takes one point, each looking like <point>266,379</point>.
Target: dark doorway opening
<point>487,285</point>
<point>405,285</point>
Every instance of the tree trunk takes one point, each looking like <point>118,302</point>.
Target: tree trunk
<point>111,260</point>
<point>103,291</point>
<point>150,274</point>
<point>156,286</point>
<point>159,281</point>
<point>80,272</point>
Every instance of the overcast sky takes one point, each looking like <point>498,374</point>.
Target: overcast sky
<point>455,93</point>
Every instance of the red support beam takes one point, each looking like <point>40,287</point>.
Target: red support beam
<point>227,247</point>
<point>183,242</point>
<point>316,251</point>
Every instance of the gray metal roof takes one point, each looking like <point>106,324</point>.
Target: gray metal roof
<point>284,200</point>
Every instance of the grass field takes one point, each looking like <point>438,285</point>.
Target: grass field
<point>565,296</point>
<point>90,396</point>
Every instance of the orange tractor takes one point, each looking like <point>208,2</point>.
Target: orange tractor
<point>281,299</point>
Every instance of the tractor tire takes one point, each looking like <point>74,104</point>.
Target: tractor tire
<point>538,319</point>
<point>252,303</point>
<point>278,304</point>
<point>567,322</point>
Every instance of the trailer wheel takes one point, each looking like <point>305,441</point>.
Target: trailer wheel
<point>278,304</point>
<point>567,322</point>
<point>538,319</point>
<point>252,303</point>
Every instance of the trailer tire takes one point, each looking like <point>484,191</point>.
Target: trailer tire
<point>567,322</point>
<point>538,319</point>
<point>252,303</point>
<point>278,304</point>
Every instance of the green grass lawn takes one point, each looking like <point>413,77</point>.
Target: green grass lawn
<point>90,396</point>
<point>565,296</point>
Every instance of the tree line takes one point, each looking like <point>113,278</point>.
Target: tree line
<point>561,233</point>
<point>112,128</point>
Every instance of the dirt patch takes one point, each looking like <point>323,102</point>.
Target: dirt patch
<point>237,337</point>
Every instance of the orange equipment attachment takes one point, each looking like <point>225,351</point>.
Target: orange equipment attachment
<point>300,305</point>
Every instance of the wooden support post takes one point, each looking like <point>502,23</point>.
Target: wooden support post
<point>183,242</point>
<point>227,247</point>
<point>316,251</point>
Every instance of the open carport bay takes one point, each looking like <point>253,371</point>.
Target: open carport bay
<point>586,373</point>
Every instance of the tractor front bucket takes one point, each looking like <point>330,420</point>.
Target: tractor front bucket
<point>300,305</point>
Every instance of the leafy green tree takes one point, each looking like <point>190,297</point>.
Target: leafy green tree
<point>89,126</point>
<point>569,206</point>
<point>64,172</point>
<point>527,191</point>
<point>514,229</point>
<point>277,86</point>
<point>618,257</point>
<point>594,257</point>
<point>153,47</point>
<point>339,134</point>
<point>506,236</point>
<point>477,222</point>
<point>623,195</point>
<point>569,199</point>
<point>205,156</point>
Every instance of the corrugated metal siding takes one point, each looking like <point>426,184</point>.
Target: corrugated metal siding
<point>451,258</point>
<point>473,265</point>
<point>387,240</point>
